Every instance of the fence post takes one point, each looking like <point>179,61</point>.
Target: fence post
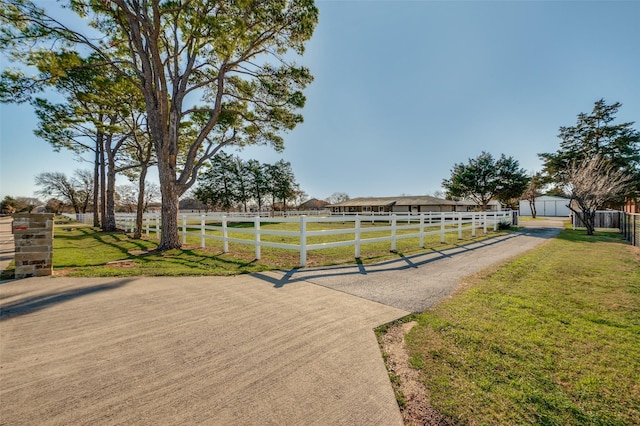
<point>460,225</point>
<point>256,228</point>
<point>422,230</point>
<point>393,232</point>
<point>303,240</point>
<point>473,224</point>
<point>442,228</point>
<point>225,235</point>
<point>484,222</point>
<point>147,220</point>
<point>357,232</point>
<point>495,221</point>
<point>184,229</point>
<point>202,225</point>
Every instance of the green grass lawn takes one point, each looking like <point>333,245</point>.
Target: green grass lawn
<point>85,251</point>
<point>552,338</point>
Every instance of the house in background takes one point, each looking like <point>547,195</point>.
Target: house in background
<point>406,204</point>
<point>314,204</point>
<point>632,205</point>
<point>546,205</point>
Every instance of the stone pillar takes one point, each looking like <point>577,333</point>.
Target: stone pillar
<point>33,238</point>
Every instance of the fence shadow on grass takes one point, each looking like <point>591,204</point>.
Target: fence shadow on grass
<point>35,303</point>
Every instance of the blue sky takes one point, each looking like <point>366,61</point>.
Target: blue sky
<point>403,90</point>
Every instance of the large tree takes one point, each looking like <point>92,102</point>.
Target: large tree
<point>533,191</point>
<point>176,50</point>
<point>229,182</point>
<point>338,197</point>
<point>257,174</point>
<point>139,149</point>
<point>11,205</point>
<point>484,179</point>
<point>97,103</point>
<point>282,182</point>
<point>591,184</point>
<point>76,191</point>
<point>218,184</point>
<point>596,133</point>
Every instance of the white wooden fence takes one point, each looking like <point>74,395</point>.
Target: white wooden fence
<point>413,226</point>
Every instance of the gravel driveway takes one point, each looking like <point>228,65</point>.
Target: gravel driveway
<point>415,283</point>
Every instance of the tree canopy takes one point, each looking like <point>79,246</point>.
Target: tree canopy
<point>76,191</point>
<point>533,191</point>
<point>591,183</point>
<point>229,182</point>
<point>596,134</point>
<point>232,56</point>
<point>484,179</point>
<point>10,205</point>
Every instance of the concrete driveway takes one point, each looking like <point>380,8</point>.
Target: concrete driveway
<point>209,350</point>
<point>263,349</point>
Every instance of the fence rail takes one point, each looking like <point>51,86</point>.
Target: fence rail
<point>630,227</point>
<point>395,227</point>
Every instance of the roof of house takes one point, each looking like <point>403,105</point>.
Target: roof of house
<point>423,200</point>
<point>315,203</point>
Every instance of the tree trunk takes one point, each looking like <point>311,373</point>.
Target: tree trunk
<point>103,188</point>
<point>587,217</point>
<point>110,222</point>
<point>590,221</point>
<point>140,209</point>
<point>170,238</point>
<point>532,205</point>
<point>96,182</point>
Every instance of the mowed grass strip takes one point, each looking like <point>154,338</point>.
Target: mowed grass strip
<point>80,250</point>
<point>552,338</point>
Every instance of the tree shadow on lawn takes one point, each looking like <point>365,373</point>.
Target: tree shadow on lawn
<point>64,233</point>
<point>118,240</point>
<point>192,259</point>
<point>36,303</point>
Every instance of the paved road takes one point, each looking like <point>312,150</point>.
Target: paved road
<point>271,348</point>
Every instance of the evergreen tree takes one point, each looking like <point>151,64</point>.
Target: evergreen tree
<point>484,179</point>
<point>596,134</point>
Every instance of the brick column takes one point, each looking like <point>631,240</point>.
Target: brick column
<point>33,238</point>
